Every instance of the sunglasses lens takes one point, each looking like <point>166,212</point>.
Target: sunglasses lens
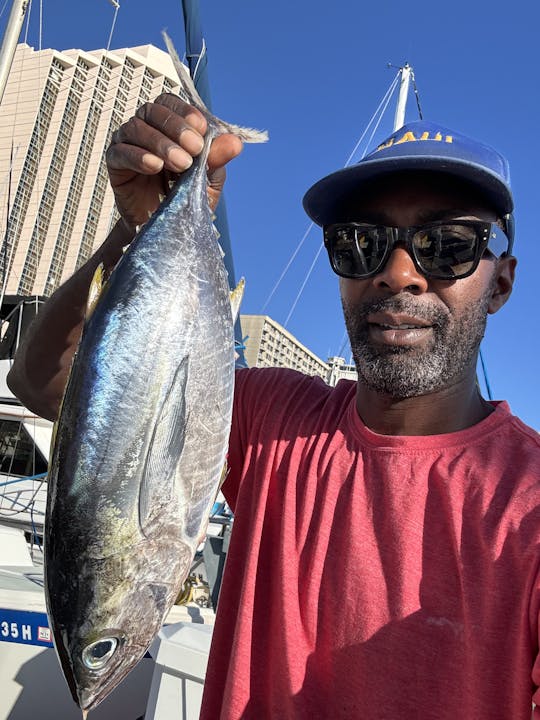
<point>356,250</point>
<point>444,250</point>
<point>447,250</point>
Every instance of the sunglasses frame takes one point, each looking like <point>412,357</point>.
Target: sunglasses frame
<point>405,235</point>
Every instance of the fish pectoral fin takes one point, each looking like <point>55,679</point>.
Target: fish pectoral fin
<point>96,287</point>
<point>166,445</point>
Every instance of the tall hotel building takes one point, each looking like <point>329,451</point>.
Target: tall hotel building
<point>57,117</point>
<point>269,344</point>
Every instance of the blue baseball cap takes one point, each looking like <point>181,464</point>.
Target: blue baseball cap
<point>420,145</point>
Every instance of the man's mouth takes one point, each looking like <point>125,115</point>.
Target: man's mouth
<point>398,330</point>
<point>399,327</point>
<point>397,320</point>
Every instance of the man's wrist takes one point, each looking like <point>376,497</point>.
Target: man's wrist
<point>113,248</point>
<point>127,231</point>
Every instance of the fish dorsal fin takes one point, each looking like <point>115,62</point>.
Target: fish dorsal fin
<point>236,296</point>
<point>165,447</point>
<point>96,287</point>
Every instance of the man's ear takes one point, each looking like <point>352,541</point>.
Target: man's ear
<point>503,283</point>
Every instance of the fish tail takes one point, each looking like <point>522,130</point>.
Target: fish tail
<point>188,88</point>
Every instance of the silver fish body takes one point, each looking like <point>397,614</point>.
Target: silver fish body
<point>140,443</point>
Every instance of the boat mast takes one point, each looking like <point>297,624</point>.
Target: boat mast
<point>10,40</point>
<point>197,59</point>
<point>399,118</point>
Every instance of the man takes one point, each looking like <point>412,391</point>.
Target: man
<point>385,555</point>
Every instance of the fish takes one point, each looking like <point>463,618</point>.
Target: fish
<point>140,444</point>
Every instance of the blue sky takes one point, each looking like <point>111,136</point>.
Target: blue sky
<point>312,73</point>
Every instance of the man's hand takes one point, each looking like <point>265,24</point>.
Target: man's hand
<point>156,146</point>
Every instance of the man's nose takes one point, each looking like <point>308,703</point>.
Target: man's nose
<point>400,274</point>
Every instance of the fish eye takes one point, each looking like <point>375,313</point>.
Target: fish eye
<point>96,655</point>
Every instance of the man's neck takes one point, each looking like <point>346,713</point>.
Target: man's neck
<point>454,408</point>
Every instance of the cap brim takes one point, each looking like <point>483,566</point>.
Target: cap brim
<point>324,200</point>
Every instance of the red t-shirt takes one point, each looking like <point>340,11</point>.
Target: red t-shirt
<point>372,576</point>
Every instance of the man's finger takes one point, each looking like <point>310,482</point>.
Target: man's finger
<point>135,138</point>
<point>192,116</point>
<point>122,157</point>
<point>224,149</point>
<point>171,125</point>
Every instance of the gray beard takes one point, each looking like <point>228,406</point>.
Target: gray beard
<point>409,372</point>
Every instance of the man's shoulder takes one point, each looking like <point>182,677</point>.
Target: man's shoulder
<point>508,458</point>
<point>528,434</point>
<point>518,432</point>
<point>276,374</point>
<point>273,382</point>
<point>283,385</point>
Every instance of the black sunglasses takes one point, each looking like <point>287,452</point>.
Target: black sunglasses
<point>445,250</point>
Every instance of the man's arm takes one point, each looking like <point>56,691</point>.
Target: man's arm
<point>41,366</point>
<point>149,150</point>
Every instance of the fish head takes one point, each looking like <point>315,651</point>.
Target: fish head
<point>102,640</point>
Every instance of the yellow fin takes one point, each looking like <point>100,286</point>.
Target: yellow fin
<point>236,296</point>
<point>96,286</point>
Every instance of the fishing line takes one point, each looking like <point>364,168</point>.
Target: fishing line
<point>344,342</point>
<point>417,95</point>
<point>368,144</point>
<point>200,57</point>
<point>486,379</point>
<point>385,100</point>
<point>116,6</point>
<point>295,253</point>
<point>303,284</point>
<point>3,8</point>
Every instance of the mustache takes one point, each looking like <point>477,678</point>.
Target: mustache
<point>429,311</point>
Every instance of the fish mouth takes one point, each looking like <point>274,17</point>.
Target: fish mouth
<point>95,686</point>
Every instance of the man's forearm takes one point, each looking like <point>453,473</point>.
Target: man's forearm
<point>43,360</point>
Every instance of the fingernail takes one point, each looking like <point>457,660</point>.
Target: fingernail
<point>151,162</point>
<point>180,159</point>
<point>192,141</point>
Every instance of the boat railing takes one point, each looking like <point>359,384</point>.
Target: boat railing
<point>23,500</point>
